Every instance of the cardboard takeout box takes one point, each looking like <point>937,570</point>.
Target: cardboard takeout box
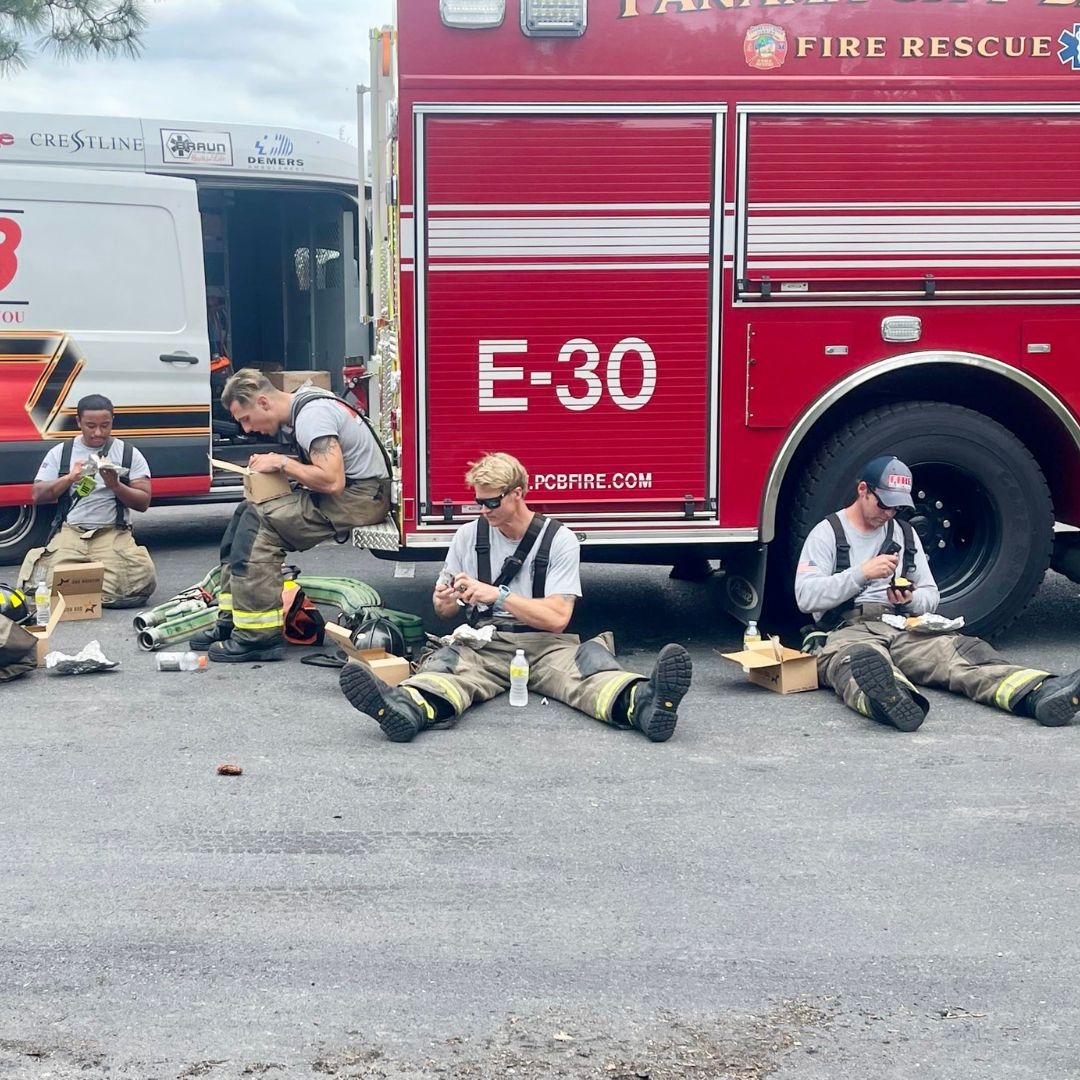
<point>44,633</point>
<point>80,586</point>
<point>258,487</point>
<point>772,665</point>
<point>391,669</point>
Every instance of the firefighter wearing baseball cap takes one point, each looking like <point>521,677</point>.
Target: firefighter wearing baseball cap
<point>863,562</point>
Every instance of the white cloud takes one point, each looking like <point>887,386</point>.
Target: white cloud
<point>287,63</point>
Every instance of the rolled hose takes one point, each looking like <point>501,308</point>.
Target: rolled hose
<point>166,610</point>
<point>349,594</point>
<point>178,629</point>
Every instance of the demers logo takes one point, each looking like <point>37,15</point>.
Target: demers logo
<point>765,47</point>
<point>275,152</point>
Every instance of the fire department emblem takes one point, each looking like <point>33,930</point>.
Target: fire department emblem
<point>765,47</point>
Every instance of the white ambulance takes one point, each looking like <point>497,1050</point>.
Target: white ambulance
<point>136,256</point>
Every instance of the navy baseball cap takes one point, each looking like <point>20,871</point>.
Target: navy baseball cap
<point>890,479</point>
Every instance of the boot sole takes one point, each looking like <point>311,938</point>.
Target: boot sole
<point>873,675</point>
<point>674,670</point>
<point>1060,708</point>
<point>363,691</point>
<point>248,656</point>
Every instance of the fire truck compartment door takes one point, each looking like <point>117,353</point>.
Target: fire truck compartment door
<point>566,265</point>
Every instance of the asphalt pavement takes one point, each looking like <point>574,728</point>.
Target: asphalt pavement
<point>784,889</point>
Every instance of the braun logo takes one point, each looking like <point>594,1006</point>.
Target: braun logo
<point>196,147</point>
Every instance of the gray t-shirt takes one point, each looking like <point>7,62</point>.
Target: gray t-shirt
<point>99,507</point>
<point>563,576</point>
<point>359,451</point>
<point>818,589</point>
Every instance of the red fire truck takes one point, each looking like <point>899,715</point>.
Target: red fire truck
<point>694,261</point>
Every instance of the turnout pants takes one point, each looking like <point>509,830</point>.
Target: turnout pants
<point>258,536</point>
<point>130,577</point>
<point>583,675</point>
<point>965,665</point>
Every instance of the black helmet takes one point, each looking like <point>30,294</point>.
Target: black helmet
<point>13,604</point>
<point>379,633</point>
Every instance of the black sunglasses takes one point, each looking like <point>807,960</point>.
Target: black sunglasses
<point>882,506</point>
<point>494,502</point>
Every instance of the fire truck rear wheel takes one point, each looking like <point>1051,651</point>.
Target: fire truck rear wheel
<point>22,528</point>
<point>982,506</point>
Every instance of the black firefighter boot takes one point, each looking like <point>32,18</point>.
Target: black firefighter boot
<point>654,704</point>
<point>889,702</point>
<point>234,651</point>
<point>396,710</point>
<point>1054,702</point>
<point>220,631</point>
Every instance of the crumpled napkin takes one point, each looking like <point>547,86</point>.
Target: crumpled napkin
<point>88,659</point>
<point>930,623</point>
<point>477,637</point>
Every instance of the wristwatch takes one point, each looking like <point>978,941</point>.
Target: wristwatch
<point>504,592</point>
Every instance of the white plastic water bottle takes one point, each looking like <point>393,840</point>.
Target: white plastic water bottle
<point>181,661</point>
<point>519,679</point>
<point>42,603</point>
<point>750,638</point>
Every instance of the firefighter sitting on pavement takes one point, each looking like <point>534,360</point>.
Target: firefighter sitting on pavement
<point>341,480</point>
<point>95,526</point>
<point>852,570</point>
<point>526,605</point>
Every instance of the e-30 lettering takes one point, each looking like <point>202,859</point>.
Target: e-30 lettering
<point>586,384</point>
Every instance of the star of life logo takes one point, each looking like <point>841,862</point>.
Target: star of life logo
<point>765,47</point>
<point>1069,53</point>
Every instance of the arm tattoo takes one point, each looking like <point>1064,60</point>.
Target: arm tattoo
<point>322,447</point>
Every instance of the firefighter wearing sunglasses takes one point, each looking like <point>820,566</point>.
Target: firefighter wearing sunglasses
<point>526,604</point>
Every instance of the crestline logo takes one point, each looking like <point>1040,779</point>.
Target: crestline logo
<point>196,147</point>
<point>75,141</point>
<point>275,152</point>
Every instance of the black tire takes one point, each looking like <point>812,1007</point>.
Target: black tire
<point>982,507</point>
<point>22,528</point>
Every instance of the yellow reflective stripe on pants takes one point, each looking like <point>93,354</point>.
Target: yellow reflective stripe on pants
<point>429,709</point>
<point>225,603</point>
<point>444,688</point>
<point>609,692</point>
<point>1018,680</point>
<point>273,619</point>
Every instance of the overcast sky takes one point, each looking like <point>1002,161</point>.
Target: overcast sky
<point>290,63</point>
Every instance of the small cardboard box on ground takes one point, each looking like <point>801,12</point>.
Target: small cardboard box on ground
<point>258,487</point>
<point>772,665</point>
<point>290,381</point>
<point>391,669</point>
<point>44,633</point>
<point>80,586</point>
